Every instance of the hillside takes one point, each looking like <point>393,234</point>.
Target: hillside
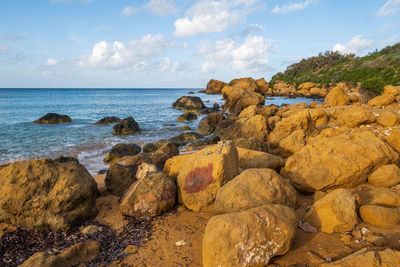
<point>373,71</point>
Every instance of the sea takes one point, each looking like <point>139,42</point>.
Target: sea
<point>20,139</point>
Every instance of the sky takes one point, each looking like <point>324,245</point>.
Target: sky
<point>179,43</point>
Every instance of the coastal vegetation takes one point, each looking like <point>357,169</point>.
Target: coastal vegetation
<point>373,71</point>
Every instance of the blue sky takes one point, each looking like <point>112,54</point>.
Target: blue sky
<point>179,43</point>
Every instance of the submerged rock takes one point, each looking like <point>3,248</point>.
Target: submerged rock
<point>126,126</point>
<point>53,118</point>
<point>44,194</point>
<point>108,120</point>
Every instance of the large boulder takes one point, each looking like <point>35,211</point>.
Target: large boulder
<point>292,143</point>
<point>392,137</point>
<point>385,175</point>
<point>119,178</point>
<point>121,150</point>
<point>337,97</point>
<point>388,119</point>
<point>388,97</point>
<point>368,258</point>
<point>214,86</point>
<point>53,118</point>
<point>205,172</point>
<point>262,86</point>
<point>153,194</point>
<point>370,195</point>
<point>338,161</point>
<point>335,212</point>
<point>355,116</point>
<point>243,128</point>
<point>249,238</point>
<point>108,120</point>
<point>45,194</point>
<point>253,188</point>
<point>245,83</point>
<point>238,98</point>
<point>126,126</point>
<point>189,103</point>
<point>380,215</point>
<point>258,159</point>
<point>173,165</point>
<point>251,143</point>
<point>209,123</point>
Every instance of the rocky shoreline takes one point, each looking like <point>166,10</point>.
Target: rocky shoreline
<point>304,185</point>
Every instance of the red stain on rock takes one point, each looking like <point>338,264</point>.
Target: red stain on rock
<point>168,193</point>
<point>198,179</point>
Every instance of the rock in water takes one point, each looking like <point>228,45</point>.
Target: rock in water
<point>189,103</point>
<point>249,238</point>
<point>153,194</point>
<point>214,86</point>
<point>126,126</point>
<point>187,116</point>
<point>44,194</point>
<point>253,188</point>
<point>53,118</point>
<point>121,150</point>
<point>119,178</point>
<point>335,212</point>
<point>108,120</point>
<point>209,123</point>
<point>203,174</point>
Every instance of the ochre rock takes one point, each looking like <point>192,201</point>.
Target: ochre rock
<point>370,195</point>
<point>380,215</point>
<point>251,143</point>
<point>388,119</point>
<point>152,194</point>
<point>121,150</point>
<point>173,165</point>
<point>238,98</point>
<point>253,188</point>
<point>257,159</point>
<point>292,143</point>
<point>249,112</point>
<point>336,97</point>
<point>45,194</point>
<point>214,86</point>
<point>243,128</point>
<point>203,174</point>
<point>392,137</point>
<point>368,258</point>
<point>189,103</point>
<point>335,212</point>
<point>249,238</point>
<point>385,175</point>
<point>339,161</point>
<point>187,116</point>
<point>355,116</point>
<point>209,123</point>
<point>262,86</point>
<point>245,83</point>
<point>388,96</point>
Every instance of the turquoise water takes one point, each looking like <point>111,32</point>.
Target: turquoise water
<point>152,108</point>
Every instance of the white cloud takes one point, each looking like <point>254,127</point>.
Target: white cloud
<point>52,62</point>
<point>128,11</point>
<point>355,46</point>
<point>207,16</point>
<point>135,55</point>
<point>291,7</point>
<point>250,56</point>
<point>251,29</point>
<point>161,7</point>
<point>391,40</point>
<point>166,65</point>
<point>390,7</point>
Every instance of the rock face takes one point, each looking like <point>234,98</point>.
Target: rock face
<point>153,194</point>
<point>249,238</point>
<point>79,253</point>
<point>255,127</point>
<point>253,188</point>
<point>355,116</point>
<point>53,118</point>
<point>119,178</point>
<point>380,215</point>
<point>366,258</point>
<point>126,126</point>
<point>388,96</point>
<point>108,120</point>
<point>44,194</point>
<point>214,87</point>
<point>263,86</point>
<point>203,174</point>
<point>173,165</point>
<point>257,159</point>
<point>385,175</point>
<point>238,98</point>
<point>209,123</point>
<point>121,150</point>
<point>336,97</point>
<point>388,119</point>
<point>187,116</point>
<point>335,212</point>
<point>189,103</point>
<point>339,161</point>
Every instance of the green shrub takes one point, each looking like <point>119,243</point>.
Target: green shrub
<point>374,84</point>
